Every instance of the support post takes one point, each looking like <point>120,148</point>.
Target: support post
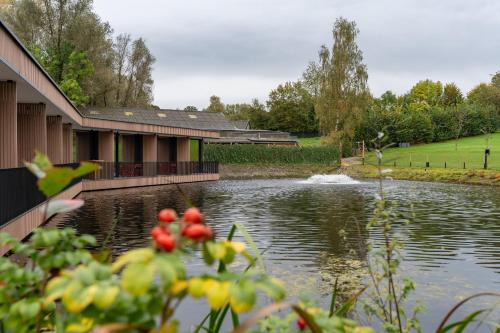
<point>150,154</point>
<point>55,139</point>
<point>8,124</point>
<point>67,143</point>
<point>31,131</point>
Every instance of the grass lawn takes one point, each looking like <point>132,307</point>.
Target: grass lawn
<point>304,142</point>
<point>469,150</point>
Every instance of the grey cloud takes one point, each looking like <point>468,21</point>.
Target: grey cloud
<point>222,43</point>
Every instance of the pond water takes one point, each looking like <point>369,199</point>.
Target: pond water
<point>312,231</point>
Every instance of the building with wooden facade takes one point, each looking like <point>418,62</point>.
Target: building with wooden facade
<point>36,115</point>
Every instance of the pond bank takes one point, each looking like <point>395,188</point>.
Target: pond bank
<point>456,176</point>
<point>251,171</point>
<point>254,171</point>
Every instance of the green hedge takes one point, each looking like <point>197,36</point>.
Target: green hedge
<point>262,154</point>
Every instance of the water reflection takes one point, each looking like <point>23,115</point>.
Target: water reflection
<point>313,233</point>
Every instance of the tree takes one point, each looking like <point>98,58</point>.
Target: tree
<point>343,93</point>
<point>236,111</point>
<point>78,69</point>
<point>311,79</point>
<point>139,81</point>
<point>57,31</point>
<point>122,51</point>
<point>291,109</point>
<point>452,95</point>
<point>215,104</point>
<point>425,94</point>
<point>486,94</point>
<point>190,108</point>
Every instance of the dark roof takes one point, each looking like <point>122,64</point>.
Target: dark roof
<point>202,120</point>
<point>241,124</point>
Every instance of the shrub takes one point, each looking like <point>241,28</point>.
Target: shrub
<point>261,154</point>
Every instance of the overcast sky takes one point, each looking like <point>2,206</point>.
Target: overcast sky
<point>241,49</point>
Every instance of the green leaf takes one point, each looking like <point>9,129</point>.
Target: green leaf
<point>460,326</point>
<point>76,297</point>
<point>167,271</point>
<point>55,289</point>
<point>42,161</point>
<point>105,296</point>
<point>242,296</point>
<point>138,255</point>
<point>35,169</point>
<point>29,309</point>
<point>137,278</point>
<point>272,288</point>
<point>248,238</point>
<point>207,256</point>
<point>55,180</point>
<point>85,168</point>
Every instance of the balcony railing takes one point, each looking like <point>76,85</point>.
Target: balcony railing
<point>111,170</point>
<point>19,193</point>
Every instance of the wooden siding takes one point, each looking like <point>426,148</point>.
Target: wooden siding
<point>150,148</point>
<point>16,58</point>
<point>106,146</point>
<point>183,148</point>
<point>67,143</point>
<point>31,131</point>
<point>147,128</point>
<point>55,139</point>
<point>8,124</point>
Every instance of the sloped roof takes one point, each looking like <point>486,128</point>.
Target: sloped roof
<point>241,124</point>
<point>202,120</point>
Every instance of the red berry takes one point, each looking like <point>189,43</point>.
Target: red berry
<point>165,242</point>
<point>193,215</point>
<point>157,231</point>
<point>167,215</point>
<point>197,232</point>
<point>301,323</point>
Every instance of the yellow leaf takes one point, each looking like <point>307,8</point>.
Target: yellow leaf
<point>243,296</point>
<point>55,289</point>
<point>218,250</point>
<point>137,278</point>
<point>105,296</point>
<point>138,255</point>
<point>218,294</point>
<point>85,325</point>
<point>76,297</point>
<point>196,287</point>
<point>363,330</point>
<point>179,287</point>
<point>238,247</point>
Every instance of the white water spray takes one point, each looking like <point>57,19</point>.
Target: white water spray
<point>330,179</point>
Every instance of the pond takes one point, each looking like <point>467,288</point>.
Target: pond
<point>312,231</point>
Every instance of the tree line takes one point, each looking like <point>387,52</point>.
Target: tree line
<point>332,99</point>
<point>80,52</point>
